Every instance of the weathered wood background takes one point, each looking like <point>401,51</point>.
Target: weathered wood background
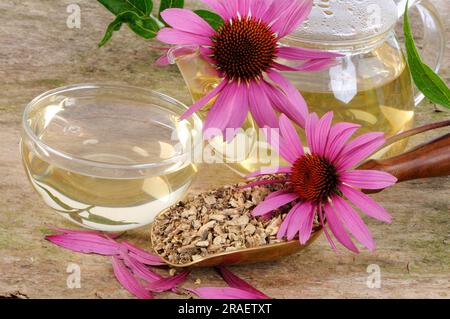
<point>39,52</point>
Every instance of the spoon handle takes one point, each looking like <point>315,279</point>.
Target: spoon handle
<point>428,160</point>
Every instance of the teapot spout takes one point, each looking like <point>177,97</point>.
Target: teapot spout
<point>200,76</point>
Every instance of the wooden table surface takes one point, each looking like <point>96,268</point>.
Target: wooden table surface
<point>39,52</point>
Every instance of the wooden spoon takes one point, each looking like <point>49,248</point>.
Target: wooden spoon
<point>428,160</point>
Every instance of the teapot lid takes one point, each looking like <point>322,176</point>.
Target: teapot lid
<point>346,21</point>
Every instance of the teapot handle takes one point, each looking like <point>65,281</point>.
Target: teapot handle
<point>434,35</point>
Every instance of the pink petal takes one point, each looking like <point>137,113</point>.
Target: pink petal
<point>260,106</point>
<point>339,135</point>
<point>366,204</point>
<point>220,113</point>
<point>173,36</point>
<point>359,149</point>
<point>297,53</point>
<point>269,171</point>
<point>232,6</point>
<point>244,7</point>
<point>76,232</point>
<point>154,282</point>
<point>187,21</point>
<point>278,193</point>
<point>85,243</point>
<point>325,230</point>
<point>168,284</point>
<point>207,54</point>
<point>240,113</point>
<point>200,103</point>
<point>353,222</point>
<point>299,212</point>
<point>163,60</point>
<point>277,10</point>
<point>311,128</point>
<point>164,48</point>
<point>128,281</point>
<point>368,179</point>
<point>308,66</point>
<point>227,9</point>
<point>321,133</point>
<point>290,136</point>
<point>338,229</point>
<point>306,223</point>
<point>235,282</point>
<point>265,182</point>
<point>139,269</point>
<point>259,7</point>
<point>218,7</point>
<point>224,293</point>
<point>143,256</point>
<point>293,17</point>
<point>291,92</point>
<point>280,145</point>
<point>317,65</point>
<point>282,232</point>
<point>272,204</point>
<point>283,104</point>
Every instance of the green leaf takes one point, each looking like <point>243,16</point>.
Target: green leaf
<point>113,26</point>
<point>167,4</point>
<point>141,7</point>
<point>55,199</point>
<point>213,19</point>
<point>76,218</point>
<point>426,80</point>
<point>145,27</point>
<point>105,221</point>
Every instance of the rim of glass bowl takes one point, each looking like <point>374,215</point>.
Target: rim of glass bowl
<point>32,136</point>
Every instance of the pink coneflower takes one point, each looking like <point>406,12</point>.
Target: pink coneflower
<point>244,51</point>
<point>320,181</point>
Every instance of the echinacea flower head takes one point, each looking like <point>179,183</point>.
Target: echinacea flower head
<point>322,181</point>
<point>245,52</point>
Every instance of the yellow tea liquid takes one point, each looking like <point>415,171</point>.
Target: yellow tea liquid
<point>110,204</point>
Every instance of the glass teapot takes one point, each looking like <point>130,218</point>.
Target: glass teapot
<point>371,85</point>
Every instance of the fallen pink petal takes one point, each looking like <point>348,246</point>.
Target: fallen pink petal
<point>128,281</point>
<point>143,256</point>
<point>169,283</point>
<point>85,243</point>
<point>235,282</point>
<point>139,269</point>
<point>83,231</point>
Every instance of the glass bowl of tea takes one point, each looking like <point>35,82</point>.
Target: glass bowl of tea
<point>109,157</point>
